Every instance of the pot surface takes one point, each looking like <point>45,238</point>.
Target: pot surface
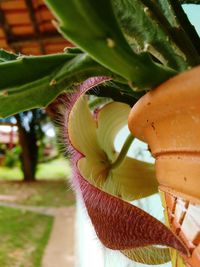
<point>168,119</point>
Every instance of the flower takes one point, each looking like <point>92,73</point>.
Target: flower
<point>106,180</point>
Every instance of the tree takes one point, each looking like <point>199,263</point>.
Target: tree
<point>29,129</point>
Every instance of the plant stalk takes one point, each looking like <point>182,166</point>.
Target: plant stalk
<point>123,152</point>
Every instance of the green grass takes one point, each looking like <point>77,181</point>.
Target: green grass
<point>41,193</point>
<point>10,173</point>
<point>53,170</point>
<point>23,237</point>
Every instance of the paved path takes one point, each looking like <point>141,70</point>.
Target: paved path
<point>60,248</point>
<point>41,210</point>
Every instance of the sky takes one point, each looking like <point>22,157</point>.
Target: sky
<point>193,12</point>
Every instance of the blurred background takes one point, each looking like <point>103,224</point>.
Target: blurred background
<point>36,202</point>
<point>37,205</point>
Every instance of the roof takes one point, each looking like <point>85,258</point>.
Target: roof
<point>26,27</point>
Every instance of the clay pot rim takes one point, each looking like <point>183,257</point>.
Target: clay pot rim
<point>171,96</point>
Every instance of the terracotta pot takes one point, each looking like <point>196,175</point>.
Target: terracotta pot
<point>168,119</point>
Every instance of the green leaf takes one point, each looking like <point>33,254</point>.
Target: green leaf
<point>102,38</point>
<point>175,27</point>
<point>118,92</point>
<point>7,56</point>
<point>149,31</point>
<point>33,87</point>
<point>24,69</point>
<point>186,34</point>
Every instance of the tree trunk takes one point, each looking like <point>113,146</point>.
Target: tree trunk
<point>29,154</point>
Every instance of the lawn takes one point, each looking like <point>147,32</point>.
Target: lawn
<point>23,237</point>
<point>52,170</point>
<point>51,189</point>
<point>41,193</point>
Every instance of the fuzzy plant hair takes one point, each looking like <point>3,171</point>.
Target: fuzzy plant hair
<point>118,224</point>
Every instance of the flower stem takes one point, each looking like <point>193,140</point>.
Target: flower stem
<point>123,152</point>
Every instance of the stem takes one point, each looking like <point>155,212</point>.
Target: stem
<point>123,152</point>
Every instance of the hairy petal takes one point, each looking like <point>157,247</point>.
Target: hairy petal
<point>120,225</point>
